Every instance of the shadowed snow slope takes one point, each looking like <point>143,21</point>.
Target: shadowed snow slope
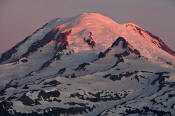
<point>88,65</point>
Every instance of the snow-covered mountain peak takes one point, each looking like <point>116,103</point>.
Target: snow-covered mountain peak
<point>88,65</point>
<point>88,18</point>
<point>103,31</point>
<point>92,33</point>
<point>90,26</point>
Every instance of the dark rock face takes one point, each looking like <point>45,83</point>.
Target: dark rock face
<point>25,87</point>
<point>50,111</point>
<point>40,43</point>
<point>82,66</point>
<point>113,77</point>
<point>137,52</point>
<point>26,100</point>
<point>57,111</point>
<point>73,75</point>
<point>140,30</point>
<point>46,64</point>
<point>52,83</point>
<point>147,111</point>
<point>4,107</point>
<point>97,97</point>
<point>160,43</point>
<point>47,95</point>
<point>90,40</point>
<point>24,60</point>
<point>163,46</point>
<point>120,76</point>
<point>124,45</point>
<point>101,55</point>
<point>62,40</point>
<point>8,54</point>
<point>61,71</point>
<point>62,37</point>
<point>115,43</point>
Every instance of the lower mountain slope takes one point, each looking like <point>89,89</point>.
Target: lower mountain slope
<point>118,81</point>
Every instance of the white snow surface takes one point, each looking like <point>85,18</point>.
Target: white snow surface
<point>105,31</point>
<point>119,82</point>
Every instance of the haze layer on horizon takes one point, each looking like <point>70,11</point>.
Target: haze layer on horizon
<point>19,18</point>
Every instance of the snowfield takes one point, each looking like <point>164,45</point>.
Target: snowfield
<point>88,65</point>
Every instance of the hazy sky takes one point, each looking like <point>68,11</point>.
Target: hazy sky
<point>19,18</point>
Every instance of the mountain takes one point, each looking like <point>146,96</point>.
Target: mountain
<point>88,65</point>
